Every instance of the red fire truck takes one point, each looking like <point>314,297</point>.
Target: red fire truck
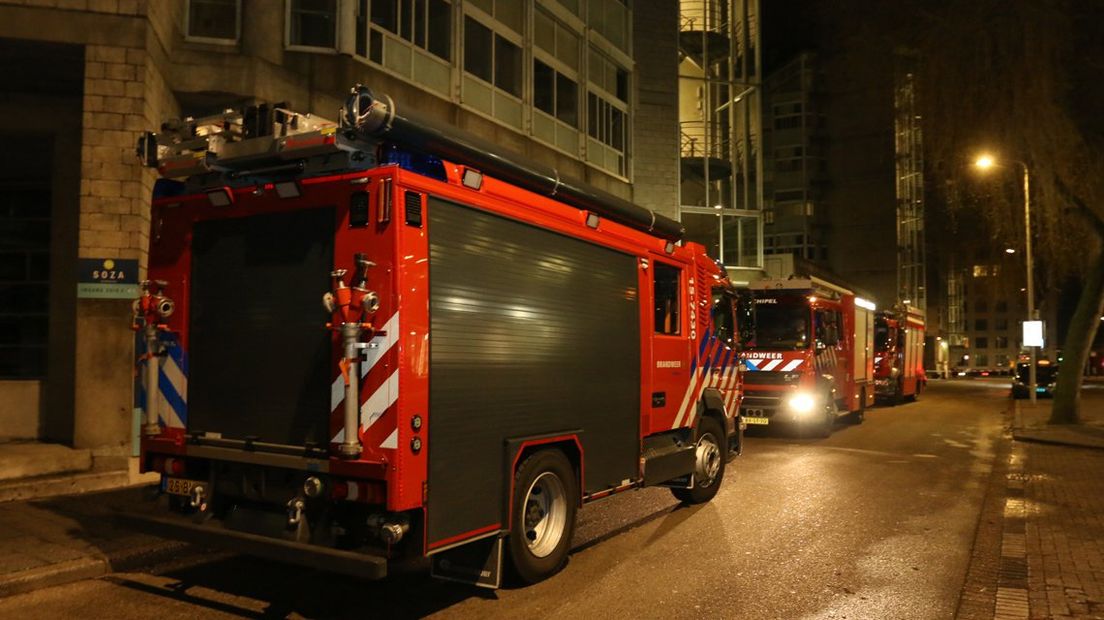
<point>495,346</point>
<point>899,354</point>
<point>810,361</point>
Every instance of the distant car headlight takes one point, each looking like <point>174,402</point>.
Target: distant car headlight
<point>801,403</point>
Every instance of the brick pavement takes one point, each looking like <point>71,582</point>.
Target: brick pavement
<point>1063,500</point>
<point>1039,547</point>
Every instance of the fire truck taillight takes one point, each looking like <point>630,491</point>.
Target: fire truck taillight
<point>357,491</point>
<point>167,465</point>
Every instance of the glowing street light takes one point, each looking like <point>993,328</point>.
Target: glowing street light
<point>986,162</point>
<point>1009,250</point>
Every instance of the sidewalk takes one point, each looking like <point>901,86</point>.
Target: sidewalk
<point>54,541</point>
<point>1030,424</point>
<point>1054,515</point>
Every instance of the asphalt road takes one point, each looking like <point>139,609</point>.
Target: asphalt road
<point>876,521</point>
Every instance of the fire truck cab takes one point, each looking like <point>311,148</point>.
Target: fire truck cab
<point>382,338</point>
<point>810,361</point>
<point>899,354</point>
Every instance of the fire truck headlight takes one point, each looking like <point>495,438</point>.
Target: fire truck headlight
<point>801,403</point>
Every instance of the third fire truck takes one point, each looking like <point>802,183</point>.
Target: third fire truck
<point>899,354</point>
<point>382,338</point>
<point>811,360</point>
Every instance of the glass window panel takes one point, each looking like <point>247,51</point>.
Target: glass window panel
<point>314,23</point>
<point>567,47</point>
<point>420,23</point>
<point>213,19</point>
<point>477,49</point>
<point>375,46</point>
<point>507,60</point>
<point>544,87</point>
<point>385,13</point>
<point>567,100</point>
<point>509,12</point>
<point>439,29</point>
<point>544,32</point>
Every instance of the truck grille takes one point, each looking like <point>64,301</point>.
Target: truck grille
<point>767,377</point>
<point>766,404</point>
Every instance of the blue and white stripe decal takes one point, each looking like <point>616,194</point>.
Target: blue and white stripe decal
<point>172,381</point>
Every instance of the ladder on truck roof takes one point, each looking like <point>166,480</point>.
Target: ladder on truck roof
<point>263,141</point>
<point>257,140</point>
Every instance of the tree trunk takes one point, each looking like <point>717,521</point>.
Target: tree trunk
<point>1078,343</point>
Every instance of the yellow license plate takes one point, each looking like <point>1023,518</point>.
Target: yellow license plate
<point>763,421</point>
<point>179,486</point>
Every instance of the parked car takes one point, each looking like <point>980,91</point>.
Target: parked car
<point>1046,375</point>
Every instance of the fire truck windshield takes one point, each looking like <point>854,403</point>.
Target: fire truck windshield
<point>882,340</point>
<point>780,323</point>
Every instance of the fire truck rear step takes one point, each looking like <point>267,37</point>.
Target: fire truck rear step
<point>350,563</point>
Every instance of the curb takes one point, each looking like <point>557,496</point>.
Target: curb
<point>52,575</point>
<point>1055,442</point>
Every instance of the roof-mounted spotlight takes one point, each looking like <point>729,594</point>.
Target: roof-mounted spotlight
<point>220,197</point>
<point>472,179</point>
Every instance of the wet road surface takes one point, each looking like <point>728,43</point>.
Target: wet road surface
<point>876,521</point>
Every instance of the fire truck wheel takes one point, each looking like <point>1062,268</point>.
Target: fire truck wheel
<point>824,428</point>
<point>859,414</point>
<point>709,465</point>
<point>543,516</point>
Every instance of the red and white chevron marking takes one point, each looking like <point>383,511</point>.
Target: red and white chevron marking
<point>378,427</point>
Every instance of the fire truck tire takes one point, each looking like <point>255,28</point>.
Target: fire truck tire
<point>857,416</point>
<point>543,516</point>
<point>709,465</point>
<point>823,429</point>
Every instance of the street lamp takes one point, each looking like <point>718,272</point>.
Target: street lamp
<point>985,162</point>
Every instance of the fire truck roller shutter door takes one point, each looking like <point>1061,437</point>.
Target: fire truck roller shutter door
<point>509,359</point>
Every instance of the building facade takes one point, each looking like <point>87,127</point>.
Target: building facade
<point>720,132</point>
<point>560,81</point>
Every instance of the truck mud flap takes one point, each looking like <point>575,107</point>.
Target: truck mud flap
<point>350,563</point>
<point>477,563</point>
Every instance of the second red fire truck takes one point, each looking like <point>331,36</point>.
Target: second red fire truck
<point>811,359</point>
<point>383,338</point>
<point>899,354</point>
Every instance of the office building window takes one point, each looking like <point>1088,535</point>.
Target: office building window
<point>312,23</point>
<point>610,18</point>
<point>218,21</point>
<point>24,280</point>
<point>981,342</point>
<point>410,37</point>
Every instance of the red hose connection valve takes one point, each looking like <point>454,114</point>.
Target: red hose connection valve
<point>350,310</point>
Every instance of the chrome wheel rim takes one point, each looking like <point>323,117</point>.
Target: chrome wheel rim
<point>544,514</point>
<point>708,455</point>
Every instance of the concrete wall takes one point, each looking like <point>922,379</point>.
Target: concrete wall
<point>20,409</point>
<point>655,138</point>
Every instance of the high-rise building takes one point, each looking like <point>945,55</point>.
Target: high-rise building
<point>795,168</point>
